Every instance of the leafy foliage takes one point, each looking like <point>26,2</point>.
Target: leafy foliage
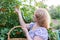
<point>55,12</point>
<point>41,5</point>
<point>7,11</point>
<point>9,19</point>
<point>17,33</point>
<point>28,12</point>
<point>52,35</point>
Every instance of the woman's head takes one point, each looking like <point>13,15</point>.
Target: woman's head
<point>42,17</point>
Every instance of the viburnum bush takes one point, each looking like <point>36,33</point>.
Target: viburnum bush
<point>7,11</point>
<point>9,18</point>
<point>7,14</point>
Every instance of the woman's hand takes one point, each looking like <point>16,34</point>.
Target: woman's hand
<point>17,10</point>
<point>27,34</point>
<point>25,30</point>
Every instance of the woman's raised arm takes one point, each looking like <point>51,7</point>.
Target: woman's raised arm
<point>20,18</point>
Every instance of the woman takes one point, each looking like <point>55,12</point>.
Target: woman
<point>38,29</point>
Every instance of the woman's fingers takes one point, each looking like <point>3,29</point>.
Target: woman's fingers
<point>25,30</point>
<point>17,10</point>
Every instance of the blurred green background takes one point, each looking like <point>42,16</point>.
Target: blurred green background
<point>9,18</point>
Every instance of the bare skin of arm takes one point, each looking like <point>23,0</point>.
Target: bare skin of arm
<point>23,24</point>
<point>37,38</point>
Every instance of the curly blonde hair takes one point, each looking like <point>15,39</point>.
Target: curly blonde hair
<point>43,17</point>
